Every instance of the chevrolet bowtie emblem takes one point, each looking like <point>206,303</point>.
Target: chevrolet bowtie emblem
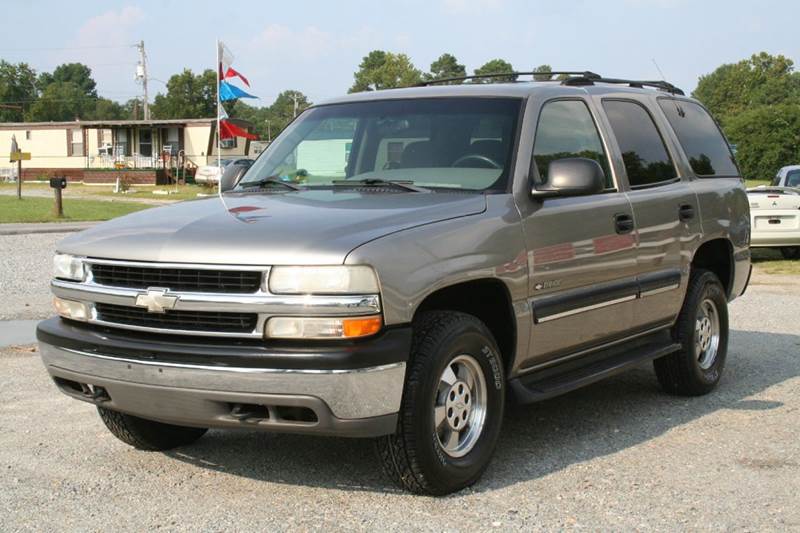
<point>156,300</point>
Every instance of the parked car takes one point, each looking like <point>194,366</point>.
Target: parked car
<point>487,242</point>
<point>788,176</point>
<point>775,217</point>
<point>212,173</point>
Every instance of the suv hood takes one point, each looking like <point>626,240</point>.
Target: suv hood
<point>306,227</point>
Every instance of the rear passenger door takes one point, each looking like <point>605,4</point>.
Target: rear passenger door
<point>665,211</point>
<point>581,249</point>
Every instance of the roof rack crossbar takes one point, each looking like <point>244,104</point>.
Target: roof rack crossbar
<point>656,84</point>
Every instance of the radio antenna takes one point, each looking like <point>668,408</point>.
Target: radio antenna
<point>658,69</point>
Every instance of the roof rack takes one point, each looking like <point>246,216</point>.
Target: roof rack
<point>584,74</point>
<point>566,77</point>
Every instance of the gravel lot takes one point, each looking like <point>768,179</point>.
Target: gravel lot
<point>26,266</point>
<point>618,455</point>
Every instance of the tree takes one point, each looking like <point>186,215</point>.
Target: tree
<point>543,73</point>
<point>188,96</point>
<point>105,109</point>
<point>17,88</point>
<point>61,101</point>
<point>76,73</point>
<point>282,110</point>
<point>446,66</point>
<point>385,70</point>
<point>767,137</point>
<point>495,66</point>
<point>737,87</point>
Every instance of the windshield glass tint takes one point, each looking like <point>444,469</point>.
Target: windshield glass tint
<point>459,143</point>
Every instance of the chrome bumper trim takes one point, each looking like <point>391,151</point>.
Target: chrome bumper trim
<point>350,394</point>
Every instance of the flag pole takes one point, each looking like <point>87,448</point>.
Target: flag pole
<point>219,135</point>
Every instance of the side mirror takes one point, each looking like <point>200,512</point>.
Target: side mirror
<point>572,176</point>
<point>230,177</point>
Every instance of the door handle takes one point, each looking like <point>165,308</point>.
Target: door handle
<point>623,223</point>
<point>685,212</point>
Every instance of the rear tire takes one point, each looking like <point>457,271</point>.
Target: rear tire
<point>790,252</point>
<point>147,434</point>
<point>702,331</point>
<point>452,409</point>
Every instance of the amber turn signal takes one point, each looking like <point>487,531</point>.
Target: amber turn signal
<point>361,327</point>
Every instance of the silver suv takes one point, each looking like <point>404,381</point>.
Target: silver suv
<point>400,264</point>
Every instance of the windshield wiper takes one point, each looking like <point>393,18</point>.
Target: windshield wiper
<point>270,180</point>
<point>405,185</point>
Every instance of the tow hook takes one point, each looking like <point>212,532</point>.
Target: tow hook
<point>95,393</point>
<point>242,411</point>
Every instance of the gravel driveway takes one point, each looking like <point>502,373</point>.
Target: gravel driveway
<point>619,455</point>
<point>26,266</point>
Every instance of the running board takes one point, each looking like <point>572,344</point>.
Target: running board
<point>535,387</point>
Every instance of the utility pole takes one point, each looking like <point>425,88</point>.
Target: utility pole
<point>294,97</point>
<point>269,132</point>
<point>141,74</point>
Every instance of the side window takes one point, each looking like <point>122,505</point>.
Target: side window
<point>566,129</point>
<point>706,148</point>
<point>793,178</point>
<point>643,151</point>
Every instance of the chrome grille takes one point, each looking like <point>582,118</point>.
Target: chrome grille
<point>177,279</point>
<point>177,320</point>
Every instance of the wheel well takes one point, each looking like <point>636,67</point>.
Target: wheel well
<point>716,256</point>
<point>486,299</point>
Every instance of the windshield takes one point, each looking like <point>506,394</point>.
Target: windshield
<point>454,143</point>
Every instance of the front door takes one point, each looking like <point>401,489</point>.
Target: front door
<point>581,250</point>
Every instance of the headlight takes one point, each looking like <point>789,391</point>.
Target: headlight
<point>340,279</point>
<point>291,327</point>
<point>71,309</point>
<point>68,267</point>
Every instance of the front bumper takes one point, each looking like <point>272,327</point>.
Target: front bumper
<point>340,395</point>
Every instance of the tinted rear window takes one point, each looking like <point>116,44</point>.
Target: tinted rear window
<point>706,148</point>
<point>643,152</point>
<point>793,178</point>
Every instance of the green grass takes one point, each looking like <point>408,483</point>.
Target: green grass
<point>41,209</point>
<point>770,261</point>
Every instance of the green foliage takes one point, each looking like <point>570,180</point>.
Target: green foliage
<point>17,87</point>
<point>495,66</point>
<point>385,70</point>
<point>446,66</point>
<point>757,102</point>
<point>188,96</point>
<point>61,101</point>
<point>767,137</point>
<point>76,73</point>
<point>544,71</point>
<point>736,87</point>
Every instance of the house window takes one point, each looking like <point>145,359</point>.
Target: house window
<point>27,135</point>
<point>76,142</point>
<point>146,143</point>
<point>228,143</point>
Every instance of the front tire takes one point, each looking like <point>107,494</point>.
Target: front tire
<point>702,331</point>
<point>452,408</point>
<point>148,435</point>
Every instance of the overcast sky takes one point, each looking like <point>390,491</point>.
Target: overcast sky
<point>314,46</point>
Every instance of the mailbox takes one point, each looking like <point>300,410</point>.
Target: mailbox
<point>58,182</point>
